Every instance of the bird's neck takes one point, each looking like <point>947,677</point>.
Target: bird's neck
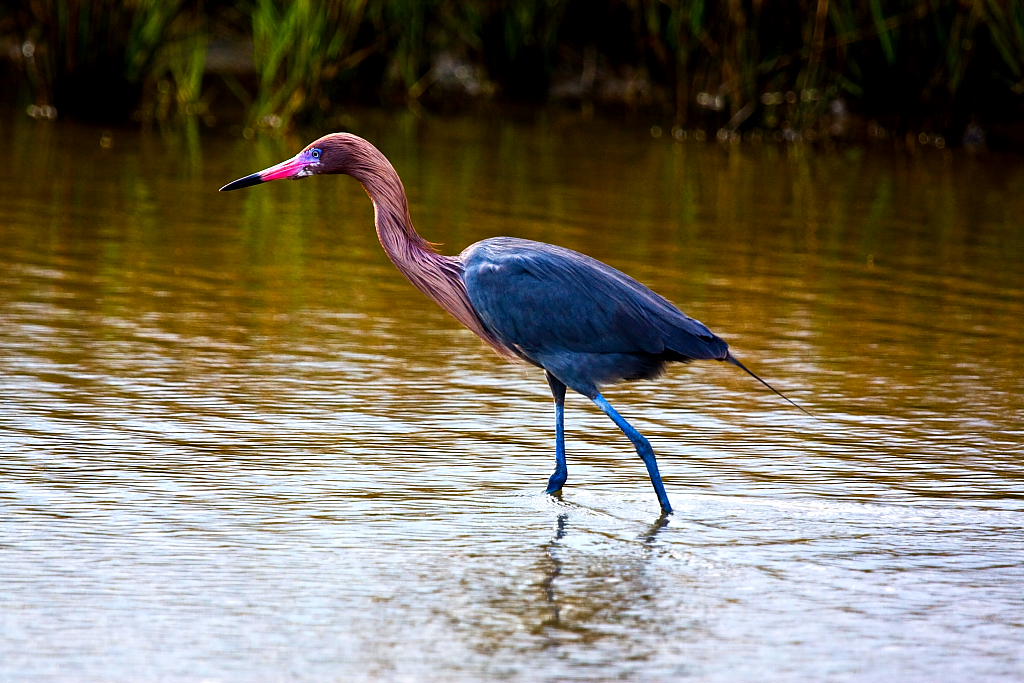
<point>436,275</point>
<point>406,248</point>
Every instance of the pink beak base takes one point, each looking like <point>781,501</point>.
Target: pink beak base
<point>286,169</point>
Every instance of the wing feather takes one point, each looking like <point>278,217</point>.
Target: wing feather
<point>540,298</point>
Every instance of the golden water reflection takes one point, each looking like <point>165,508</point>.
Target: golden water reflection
<point>237,443</point>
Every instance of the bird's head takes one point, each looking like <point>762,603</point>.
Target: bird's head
<point>334,153</point>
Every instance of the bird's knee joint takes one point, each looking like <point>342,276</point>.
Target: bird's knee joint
<point>643,446</point>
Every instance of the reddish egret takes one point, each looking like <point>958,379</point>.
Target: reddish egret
<point>583,322</point>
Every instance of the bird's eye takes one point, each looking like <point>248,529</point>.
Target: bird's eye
<point>316,153</point>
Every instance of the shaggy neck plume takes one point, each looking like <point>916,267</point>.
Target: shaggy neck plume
<point>436,275</point>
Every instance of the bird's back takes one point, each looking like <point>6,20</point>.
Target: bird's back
<point>586,322</point>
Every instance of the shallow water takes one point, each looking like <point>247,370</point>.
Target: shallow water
<point>237,445</point>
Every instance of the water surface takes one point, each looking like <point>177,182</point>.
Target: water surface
<point>237,445</point>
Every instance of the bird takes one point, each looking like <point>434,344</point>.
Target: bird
<point>583,322</point>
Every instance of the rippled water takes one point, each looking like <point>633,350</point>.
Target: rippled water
<point>237,445</point>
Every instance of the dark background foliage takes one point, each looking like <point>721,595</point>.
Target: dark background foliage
<point>794,67</point>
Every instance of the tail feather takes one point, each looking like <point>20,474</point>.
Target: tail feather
<point>731,359</point>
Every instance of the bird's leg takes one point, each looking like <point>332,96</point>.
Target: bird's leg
<point>561,471</point>
<point>643,448</point>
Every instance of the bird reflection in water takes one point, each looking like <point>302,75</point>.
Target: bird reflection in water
<point>553,566</point>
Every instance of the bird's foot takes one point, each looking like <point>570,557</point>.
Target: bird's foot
<point>556,482</point>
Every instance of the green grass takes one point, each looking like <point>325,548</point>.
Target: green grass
<point>99,58</point>
<point>735,64</point>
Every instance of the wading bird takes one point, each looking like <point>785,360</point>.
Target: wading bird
<point>583,322</point>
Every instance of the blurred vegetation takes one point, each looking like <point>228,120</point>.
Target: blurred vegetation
<point>105,58</point>
<point>794,67</point>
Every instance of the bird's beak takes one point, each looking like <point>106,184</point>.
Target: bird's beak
<point>291,168</point>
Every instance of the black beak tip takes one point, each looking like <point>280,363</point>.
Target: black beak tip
<point>247,181</point>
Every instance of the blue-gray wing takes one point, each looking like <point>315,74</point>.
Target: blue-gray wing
<point>540,298</point>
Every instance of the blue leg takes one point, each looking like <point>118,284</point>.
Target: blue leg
<point>561,471</point>
<point>643,448</point>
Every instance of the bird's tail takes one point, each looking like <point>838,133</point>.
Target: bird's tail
<point>729,358</point>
